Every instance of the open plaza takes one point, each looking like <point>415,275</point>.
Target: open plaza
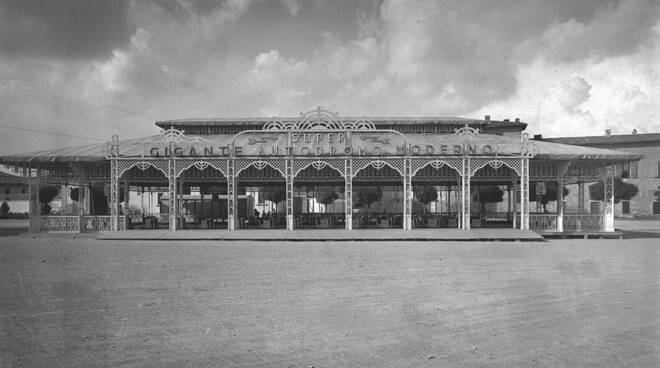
<point>76,301</point>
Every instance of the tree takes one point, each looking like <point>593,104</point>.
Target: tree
<point>327,195</point>
<point>549,196</point>
<point>490,194</point>
<point>4,208</point>
<point>46,195</point>
<point>622,190</point>
<point>275,195</point>
<point>425,194</point>
<point>365,196</point>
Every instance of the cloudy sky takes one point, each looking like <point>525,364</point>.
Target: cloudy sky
<point>95,68</point>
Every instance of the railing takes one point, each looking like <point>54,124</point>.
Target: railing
<point>574,222</point>
<point>543,221</point>
<point>435,220</point>
<point>319,220</point>
<point>71,224</point>
<point>377,221</point>
<point>60,224</point>
<point>98,224</point>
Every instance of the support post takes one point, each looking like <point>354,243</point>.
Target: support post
<point>35,205</point>
<point>581,197</point>
<point>82,200</point>
<point>179,208</point>
<point>171,194</point>
<point>407,195</point>
<point>231,196</point>
<point>524,194</point>
<point>348,194</point>
<point>608,215</point>
<point>127,197</point>
<point>114,197</point>
<point>289,194</point>
<point>514,200</point>
<point>466,197</point>
<point>563,168</point>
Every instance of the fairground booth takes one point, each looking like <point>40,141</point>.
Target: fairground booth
<point>320,170</point>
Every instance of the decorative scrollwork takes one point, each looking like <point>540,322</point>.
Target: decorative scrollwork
<point>143,165</point>
<point>318,165</point>
<point>320,119</point>
<point>260,165</point>
<point>177,136</point>
<point>496,164</point>
<point>201,165</point>
<point>466,132</point>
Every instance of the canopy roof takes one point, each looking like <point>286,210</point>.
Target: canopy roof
<point>136,148</point>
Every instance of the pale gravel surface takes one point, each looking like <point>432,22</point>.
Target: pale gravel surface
<point>564,303</point>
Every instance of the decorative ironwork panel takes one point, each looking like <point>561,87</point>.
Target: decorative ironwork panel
<point>543,222</point>
<point>99,223</point>
<point>326,174</point>
<point>60,224</point>
<point>396,164</point>
<point>585,171</point>
<point>495,164</point>
<point>242,164</point>
<point>543,170</point>
<point>582,222</point>
<point>299,165</point>
<point>320,119</point>
<point>125,165</point>
<point>201,166</point>
<point>420,163</point>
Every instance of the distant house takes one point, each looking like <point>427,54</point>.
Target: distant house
<point>14,191</point>
<point>644,173</point>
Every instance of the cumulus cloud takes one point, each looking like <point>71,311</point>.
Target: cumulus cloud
<point>565,67</point>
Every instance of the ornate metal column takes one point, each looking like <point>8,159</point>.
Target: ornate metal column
<point>82,199</point>
<point>608,194</point>
<point>407,195</point>
<point>348,194</point>
<point>289,194</point>
<point>466,197</point>
<point>231,195</point>
<point>514,195</point>
<point>127,197</point>
<point>563,168</point>
<point>171,194</point>
<point>179,207</point>
<point>35,206</point>
<point>524,194</point>
<point>580,197</point>
<point>114,197</point>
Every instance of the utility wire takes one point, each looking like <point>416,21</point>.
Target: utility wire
<point>50,133</point>
<point>77,102</point>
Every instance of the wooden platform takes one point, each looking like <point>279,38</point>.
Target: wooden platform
<point>328,235</point>
<point>582,234</point>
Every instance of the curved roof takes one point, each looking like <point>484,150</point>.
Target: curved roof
<point>136,148</point>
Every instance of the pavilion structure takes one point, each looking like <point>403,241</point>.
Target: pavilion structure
<point>321,148</point>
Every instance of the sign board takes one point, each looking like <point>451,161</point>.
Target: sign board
<point>540,188</point>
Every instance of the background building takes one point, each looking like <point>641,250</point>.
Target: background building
<point>644,173</point>
<point>14,191</point>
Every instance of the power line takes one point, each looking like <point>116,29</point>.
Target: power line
<point>77,102</point>
<point>50,133</point>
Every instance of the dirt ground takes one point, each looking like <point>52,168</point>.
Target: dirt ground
<point>565,303</point>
